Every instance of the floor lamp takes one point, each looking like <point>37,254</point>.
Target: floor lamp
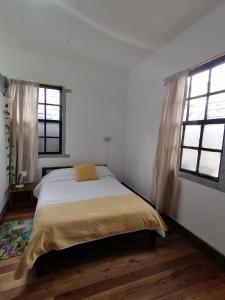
<point>107,140</point>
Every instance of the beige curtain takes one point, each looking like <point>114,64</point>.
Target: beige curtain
<point>23,103</point>
<point>166,182</point>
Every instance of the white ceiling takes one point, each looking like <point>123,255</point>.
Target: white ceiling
<point>121,32</point>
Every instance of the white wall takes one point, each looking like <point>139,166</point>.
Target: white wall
<point>95,108</point>
<point>3,176</point>
<point>200,209</point>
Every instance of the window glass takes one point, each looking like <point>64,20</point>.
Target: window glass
<point>185,111</point>
<point>197,109</point>
<point>52,145</point>
<point>209,163</point>
<point>53,96</point>
<point>41,95</point>
<point>199,84</point>
<point>41,131</point>
<point>188,87</point>
<point>213,136</point>
<point>41,147</point>
<point>192,135</point>
<point>217,78</point>
<point>189,159</point>
<point>41,111</point>
<point>216,106</point>
<point>52,129</point>
<point>52,112</point>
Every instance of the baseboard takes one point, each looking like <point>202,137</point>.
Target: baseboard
<point>195,240</point>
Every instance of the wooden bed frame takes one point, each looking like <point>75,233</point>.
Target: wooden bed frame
<point>50,258</point>
<point>46,170</point>
<point>127,241</point>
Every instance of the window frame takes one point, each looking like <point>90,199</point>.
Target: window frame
<point>213,182</point>
<point>45,121</point>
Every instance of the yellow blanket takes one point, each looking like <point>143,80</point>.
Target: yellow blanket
<point>64,225</point>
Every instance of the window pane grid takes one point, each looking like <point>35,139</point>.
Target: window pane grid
<point>49,104</point>
<point>50,143</point>
<point>188,101</point>
<point>45,123</point>
<point>199,150</point>
<point>203,148</point>
<point>197,113</point>
<point>204,95</point>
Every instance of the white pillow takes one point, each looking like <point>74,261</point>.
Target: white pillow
<point>55,175</point>
<point>67,173</point>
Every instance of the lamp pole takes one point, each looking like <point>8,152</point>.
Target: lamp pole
<point>107,139</point>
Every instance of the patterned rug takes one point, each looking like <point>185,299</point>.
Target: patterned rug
<point>14,237</point>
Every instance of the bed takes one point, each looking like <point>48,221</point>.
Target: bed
<point>71,213</point>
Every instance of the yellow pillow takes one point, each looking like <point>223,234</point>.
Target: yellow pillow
<point>85,172</point>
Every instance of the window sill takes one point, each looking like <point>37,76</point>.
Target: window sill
<point>53,155</point>
<point>207,182</point>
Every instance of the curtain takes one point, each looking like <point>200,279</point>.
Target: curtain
<point>23,103</point>
<point>166,183</point>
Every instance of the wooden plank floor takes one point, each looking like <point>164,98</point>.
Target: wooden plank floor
<point>175,269</point>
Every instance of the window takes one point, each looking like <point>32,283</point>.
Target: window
<point>50,120</point>
<point>203,123</point>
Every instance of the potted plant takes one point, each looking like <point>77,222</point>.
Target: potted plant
<point>9,145</point>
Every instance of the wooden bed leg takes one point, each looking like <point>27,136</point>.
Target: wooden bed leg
<point>41,267</point>
<point>152,240</point>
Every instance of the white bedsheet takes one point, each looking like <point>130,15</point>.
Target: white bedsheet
<point>61,187</point>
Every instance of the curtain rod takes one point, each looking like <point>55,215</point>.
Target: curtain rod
<point>40,83</point>
<point>206,61</point>
<point>196,65</point>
